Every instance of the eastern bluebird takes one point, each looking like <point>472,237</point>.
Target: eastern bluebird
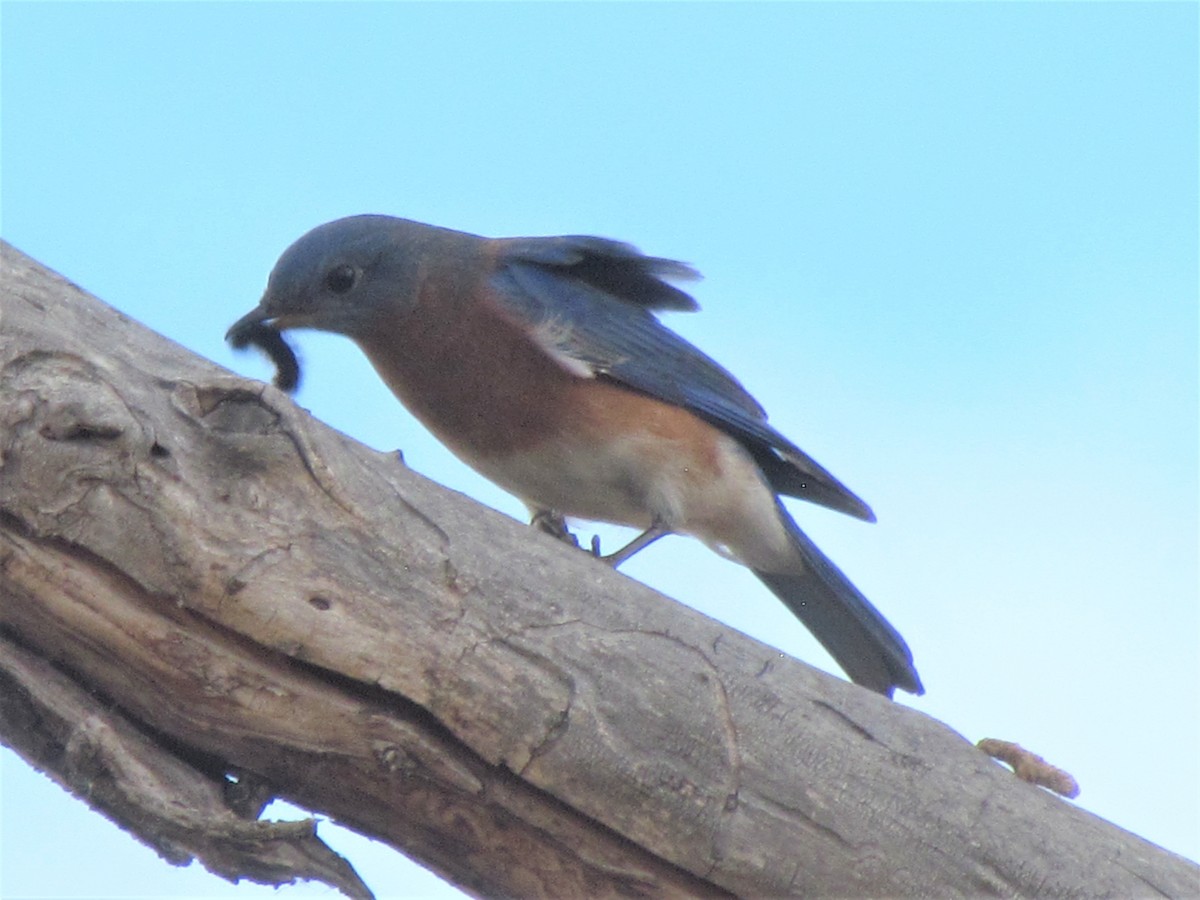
<point>541,364</point>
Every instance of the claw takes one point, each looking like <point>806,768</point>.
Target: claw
<point>554,524</point>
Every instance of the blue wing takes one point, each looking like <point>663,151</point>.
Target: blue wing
<point>590,303</point>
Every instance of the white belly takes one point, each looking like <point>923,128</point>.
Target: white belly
<point>638,481</point>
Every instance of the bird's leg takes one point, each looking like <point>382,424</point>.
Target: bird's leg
<point>554,524</point>
<point>641,542</point>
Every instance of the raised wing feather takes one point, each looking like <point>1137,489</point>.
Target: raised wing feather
<point>610,266</point>
<point>589,302</point>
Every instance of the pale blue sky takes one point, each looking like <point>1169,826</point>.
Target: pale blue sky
<point>952,248</point>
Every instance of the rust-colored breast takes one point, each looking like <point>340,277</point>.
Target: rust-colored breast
<point>487,390</point>
<point>475,379</point>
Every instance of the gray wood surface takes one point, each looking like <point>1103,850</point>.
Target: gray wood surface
<point>214,583</point>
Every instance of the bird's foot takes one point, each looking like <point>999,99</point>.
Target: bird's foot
<point>554,524</point>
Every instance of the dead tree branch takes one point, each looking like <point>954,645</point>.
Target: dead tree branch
<point>207,598</point>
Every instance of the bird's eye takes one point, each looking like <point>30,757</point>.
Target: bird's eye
<point>340,279</point>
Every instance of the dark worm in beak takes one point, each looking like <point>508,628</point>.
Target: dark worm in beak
<point>249,332</point>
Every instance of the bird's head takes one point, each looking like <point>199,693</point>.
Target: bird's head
<point>340,276</point>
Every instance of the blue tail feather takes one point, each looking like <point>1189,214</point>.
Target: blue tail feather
<point>854,632</point>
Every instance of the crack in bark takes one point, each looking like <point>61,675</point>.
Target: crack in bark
<point>124,770</point>
<point>659,772</point>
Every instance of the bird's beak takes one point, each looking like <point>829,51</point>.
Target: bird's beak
<point>251,323</point>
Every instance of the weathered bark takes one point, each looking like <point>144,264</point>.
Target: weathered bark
<point>198,581</point>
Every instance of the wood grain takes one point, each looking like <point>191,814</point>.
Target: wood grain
<point>271,603</point>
